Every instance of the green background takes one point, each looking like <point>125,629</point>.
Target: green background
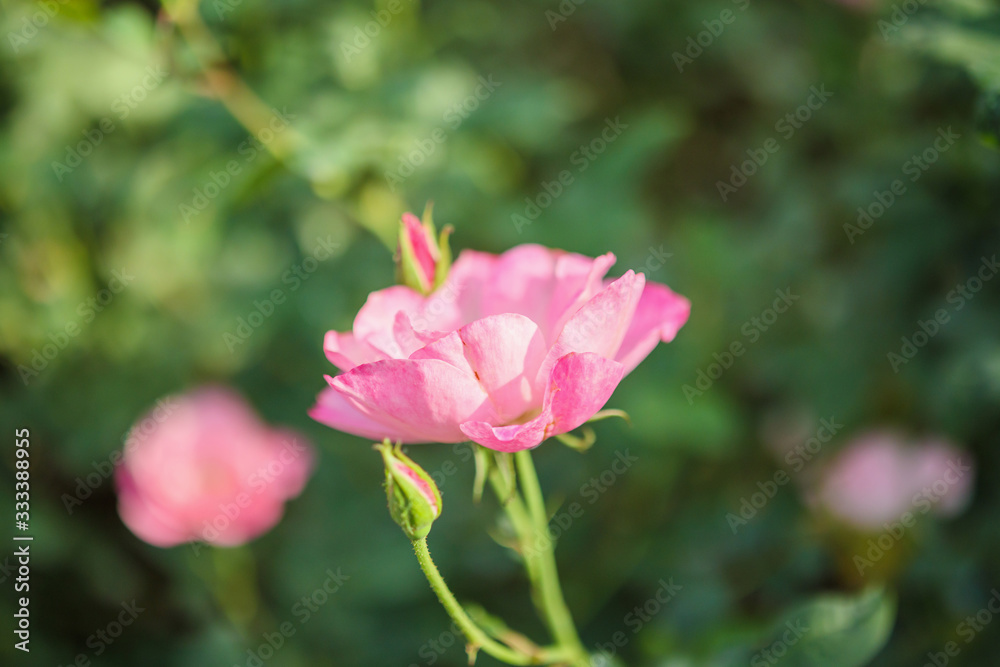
<point>357,109</point>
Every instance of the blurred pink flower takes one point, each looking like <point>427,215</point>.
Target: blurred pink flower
<point>879,477</point>
<point>211,471</point>
<point>510,350</point>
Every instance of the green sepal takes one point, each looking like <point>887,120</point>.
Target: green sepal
<point>406,265</point>
<point>413,497</point>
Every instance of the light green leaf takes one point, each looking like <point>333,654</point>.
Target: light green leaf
<point>831,631</point>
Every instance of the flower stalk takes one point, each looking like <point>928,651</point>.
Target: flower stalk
<point>415,502</point>
<point>548,588</point>
<point>478,639</point>
<point>530,523</point>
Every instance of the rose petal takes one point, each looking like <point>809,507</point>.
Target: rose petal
<point>379,311</point>
<point>578,279</point>
<point>545,285</point>
<point>503,353</point>
<point>658,317</point>
<point>522,282</point>
<point>467,280</point>
<point>409,339</point>
<point>334,409</point>
<point>579,386</point>
<point>425,397</point>
<point>145,519</point>
<point>345,351</point>
<point>599,326</point>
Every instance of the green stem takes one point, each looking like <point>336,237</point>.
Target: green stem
<point>476,636</point>
<point>546,577</point>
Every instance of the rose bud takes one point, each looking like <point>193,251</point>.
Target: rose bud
<point>414,499</point>
<point>422,260</point>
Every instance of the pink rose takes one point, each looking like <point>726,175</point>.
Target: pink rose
<point>508,351</point>
<point>879,477</point>
<point>210,471</point>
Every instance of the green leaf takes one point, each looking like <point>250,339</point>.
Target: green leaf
<point>831,631</point>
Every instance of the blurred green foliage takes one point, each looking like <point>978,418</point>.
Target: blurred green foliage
<point>130,142</point>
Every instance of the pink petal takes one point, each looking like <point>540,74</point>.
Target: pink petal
<point>522,282</point>
<point>345,351</point>
<point>336,410</point>
<point>426,397</point>
<point>542,284</point>
<point>467,282</point>
<point>578,279</point>
<point>145,519</point>
<point>658,317</point>
<point>503,352</point>
<point>599,326</point>
<point>379,312</point>
<point>511,438</point>
<point>579,386</point>
<point>545,285</point>
<point>410,339</point>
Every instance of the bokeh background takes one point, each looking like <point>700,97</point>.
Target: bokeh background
<point>144,107</point>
